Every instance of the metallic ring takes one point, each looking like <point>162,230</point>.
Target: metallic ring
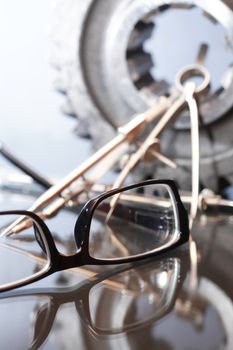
<point>194,70</point>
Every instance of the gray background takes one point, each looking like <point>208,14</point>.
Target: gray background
<point>31,122</point>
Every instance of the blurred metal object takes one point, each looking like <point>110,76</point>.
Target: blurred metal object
<point>48,205</point>
<point>187,90</point>
<point>89,57</point>
<point>127,133</point>
<point>38,178</point>
<point>208,201</point>
<point>21,184</point>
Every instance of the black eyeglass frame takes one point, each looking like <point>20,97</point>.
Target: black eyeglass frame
<point>59,261</point>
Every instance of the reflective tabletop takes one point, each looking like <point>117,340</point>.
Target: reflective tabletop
<point>133,306</point>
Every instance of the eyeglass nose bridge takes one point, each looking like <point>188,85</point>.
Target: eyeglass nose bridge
<point>81,236</point>
<point>70,261</point>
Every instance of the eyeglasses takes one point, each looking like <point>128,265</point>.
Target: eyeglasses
<point>148,218</point>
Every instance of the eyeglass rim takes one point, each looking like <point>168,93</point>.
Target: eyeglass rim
<point>54,254</point>
<point>82,237</point>
<point>59,261</point>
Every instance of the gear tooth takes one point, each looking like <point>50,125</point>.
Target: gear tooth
<point>141,32</point>
<point>67,109</point>
<point>82,129</point>
<point>60,85</point>
<point>139,64</point>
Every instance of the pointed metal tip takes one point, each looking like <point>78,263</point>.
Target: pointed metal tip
<point>13,228</point>
<point>6,233</point>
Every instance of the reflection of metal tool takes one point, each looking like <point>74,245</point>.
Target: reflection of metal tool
<point>197,313</point>
<point>127,286</point>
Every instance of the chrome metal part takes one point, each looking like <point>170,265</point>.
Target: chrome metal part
<point>110,71</point>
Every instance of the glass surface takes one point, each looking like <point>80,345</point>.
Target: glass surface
<point>18,322</point>
<point>133,223</point>
<point>22,255</point>
<point>134,298</point>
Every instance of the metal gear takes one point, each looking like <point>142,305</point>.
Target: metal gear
<point>108,70</point>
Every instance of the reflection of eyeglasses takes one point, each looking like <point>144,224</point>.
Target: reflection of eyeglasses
<point>139,294</point>
<point>139,226</point>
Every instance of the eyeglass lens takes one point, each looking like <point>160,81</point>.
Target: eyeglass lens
<point>134,222</point>
<point>23,255</point>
